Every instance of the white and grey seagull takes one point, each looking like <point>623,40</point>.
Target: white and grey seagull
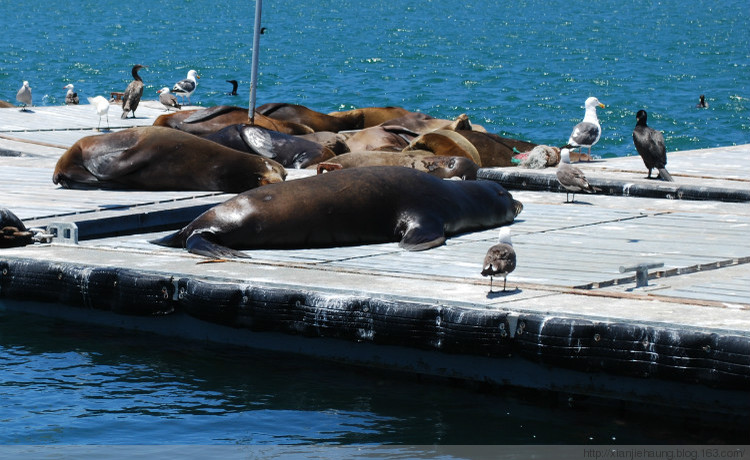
<point>187,86</point>
<point>167,99</point>
<point>587,132</point>
<point>500,258</point>
<point>571,178</point>
<point>24,96</point>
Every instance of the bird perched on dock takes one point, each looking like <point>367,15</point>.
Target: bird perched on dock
<point>587,132</point>
<point>650,145</point>
<point>702,104</point>
<point>71,97</point>
<point>234,87</point>
<point>101,105</point>
<point>187,86</point>
<point>133,92</point>
<point>24,96</point>
<point>167,99</point>
<point>500,258</point>
<point>571,178</point>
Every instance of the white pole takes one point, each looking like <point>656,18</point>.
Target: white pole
<point>254,70</point>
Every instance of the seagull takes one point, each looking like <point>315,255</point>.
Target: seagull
<point>650,145</point>
<point>186,87</point>
<point>500,258</point>
<point>24,96</point>
<point>234,87</point>
<point>71,97</point>
<point>167,99</point>
<point>702,104</point>
<point>587,132</point>
<point>101,104</point>
<point>133,92</point>
<point>572,178</point>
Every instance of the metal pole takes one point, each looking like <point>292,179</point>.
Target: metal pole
<point>254,70</point>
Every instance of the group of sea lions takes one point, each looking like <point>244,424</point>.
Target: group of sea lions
<point>390,186</point>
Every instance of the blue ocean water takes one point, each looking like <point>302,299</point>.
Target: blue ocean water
<point>521,68</point>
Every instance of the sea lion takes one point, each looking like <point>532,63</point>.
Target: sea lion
<point>422,123</point>
<point>302,115</point>
<point>206,121</point>
<point>290,151</point>
<point>447,143</point>
<point>388,138</point>
<point>334,141</point>
<point>158,158</point>
<point>13,233</point>
<point>378,204</point>
<point>367,117</point>
<point>495,150</point>
<point>439,166</point>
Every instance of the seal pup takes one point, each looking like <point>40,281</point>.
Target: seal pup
<point>571,178</point>
<point>587,132</point>
<point>500,258</point>
<point>101,105</point>
<point>168,100</point>
<point>650,146</point>
<point>71,97</point>
<point>378,204</point>
<point>24,96</point>
<point>186,87</point>
<point>132,96</point>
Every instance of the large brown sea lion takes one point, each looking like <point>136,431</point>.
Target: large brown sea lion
<point>206,121</point>
<point>290,151</point>
<point>422,123</point>
<point>158,158</point>
<point>334,141</point>
<point>447,143</point>
<point>495,150</point>
<point>388,138</point>
<point>439,166</point>
<point>367,117</point>
<point>302,115</point>
<point>377,204</point>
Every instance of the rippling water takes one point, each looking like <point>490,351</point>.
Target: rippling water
<point>520,68</point>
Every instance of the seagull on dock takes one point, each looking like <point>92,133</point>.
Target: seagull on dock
<point>101,104</point>
<point>133,92</point>
<point>24,96</point>
<point>650,145</point>
<point>167,99</point>
<point>500,258</point>
<point>71,97</point>
<point>187,86</point>
<point>571,178</point>
<point>587,132</point>
<point>234,87</point>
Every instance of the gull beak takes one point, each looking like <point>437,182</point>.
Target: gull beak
<point>602,105</point>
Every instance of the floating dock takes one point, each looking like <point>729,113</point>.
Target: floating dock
<point>638,295</point>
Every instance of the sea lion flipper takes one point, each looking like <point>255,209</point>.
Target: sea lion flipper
<point>198,244</point>
<point>422,235</point>
<point>259,140</point>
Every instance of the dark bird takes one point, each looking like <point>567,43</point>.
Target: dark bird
<point>133,93</point>
<point>587,132</point>
<point>71,97</point>
<point>167,99</point>
<point>571,178</point>
<point>24,96</point>
<point>650,145</point>
<point>234,87</point>
<point>500,258</point>
<point>702,104</point>
<point>187,86</point>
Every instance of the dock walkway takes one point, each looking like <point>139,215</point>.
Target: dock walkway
<point>571,321</point>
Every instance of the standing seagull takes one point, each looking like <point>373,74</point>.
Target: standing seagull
<point>24,96</point>
<point>234,87</point>
<point>587,132</point>
<point>71,97</point>
<point>167,99</point>
<point>186,87</point>
<point>133,92</point>
<point>101,104</point>
<point>572,178</point>
<point>500,258</point>
<point>650,145</point>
